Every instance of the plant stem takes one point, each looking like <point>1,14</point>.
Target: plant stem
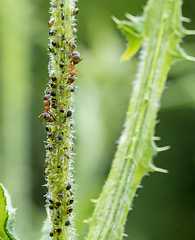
<point>162,32</point>
<point>58,101</point>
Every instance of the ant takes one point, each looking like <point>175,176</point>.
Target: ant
<point>48,116</point>
<point>75,59</point>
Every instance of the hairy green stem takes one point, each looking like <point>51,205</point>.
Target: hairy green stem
<point>161,30</point>
<point>58,101</point>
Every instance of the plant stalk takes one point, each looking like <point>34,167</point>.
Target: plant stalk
<point>161,32</point>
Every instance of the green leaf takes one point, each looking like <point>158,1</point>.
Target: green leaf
<point>46,228</point>
<point>133,32</point>
<point>7,216</point>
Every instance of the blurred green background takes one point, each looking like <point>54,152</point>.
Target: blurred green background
<point>165,208</point>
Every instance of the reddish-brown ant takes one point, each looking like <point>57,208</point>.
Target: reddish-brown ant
<point>48,116</point>
<point>75,59</point>
<point>72,74</point>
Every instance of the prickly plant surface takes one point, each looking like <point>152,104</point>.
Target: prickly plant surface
<point>59,108</point>
<point>160,31</point>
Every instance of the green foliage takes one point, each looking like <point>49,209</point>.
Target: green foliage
<point>7,216</point>
<point>15,94</point>
<point>46,228</point>
<point>134,33</point>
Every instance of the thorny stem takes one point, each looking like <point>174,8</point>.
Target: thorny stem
<point>161,31</point>
<point>58,101</point>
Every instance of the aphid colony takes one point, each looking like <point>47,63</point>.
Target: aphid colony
<point>75,58</point>
<point>54,208</point>
<point>58,116</point>
<point>60,203</point>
